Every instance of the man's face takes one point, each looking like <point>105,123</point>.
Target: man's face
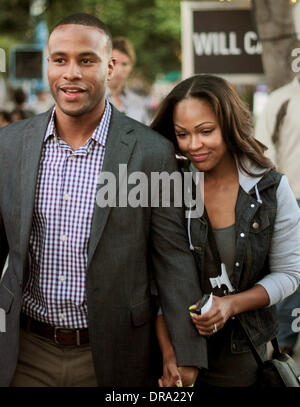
<point>122,69</point>
<point>79,66</point>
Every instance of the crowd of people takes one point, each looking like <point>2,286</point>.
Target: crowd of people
<point>77,291</point>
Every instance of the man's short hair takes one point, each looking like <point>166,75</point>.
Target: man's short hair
<point>88,20</point>
<point>123,45</point>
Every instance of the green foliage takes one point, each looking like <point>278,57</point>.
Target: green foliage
<point>152,25</point>
<point>15,18</point>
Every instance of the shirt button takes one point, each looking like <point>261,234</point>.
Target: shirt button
<point>61,278</point>
<point>71,157</point>
<point>237,264</point>
<point>242,234</point>
<point>234,346</point>
<point>255,225</point>
<point>62,316</point>
<point>67,197</point>
<point>63,238</point>
<point>252,206</point>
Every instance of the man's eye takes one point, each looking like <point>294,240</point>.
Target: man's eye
<point>86,60</point>
<point>59,60</point>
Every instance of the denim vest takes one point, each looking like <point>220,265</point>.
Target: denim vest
<point>254,224</point>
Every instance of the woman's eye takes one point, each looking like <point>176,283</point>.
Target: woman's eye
<point>180,134</point>
<point>208,131</point>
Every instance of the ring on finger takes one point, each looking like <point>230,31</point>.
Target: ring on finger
<point>215,328</point>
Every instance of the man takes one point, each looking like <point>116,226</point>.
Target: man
<point>78,275</point>
<point>118,94</point>
<point>278,128</point>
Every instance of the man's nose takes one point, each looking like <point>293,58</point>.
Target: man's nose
<point>72,72</point>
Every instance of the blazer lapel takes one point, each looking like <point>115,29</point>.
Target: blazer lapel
<point>120,143</point>
<point>31,153</point>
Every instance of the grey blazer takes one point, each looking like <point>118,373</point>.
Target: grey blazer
<point>126,245</point>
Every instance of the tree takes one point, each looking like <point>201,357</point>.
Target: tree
<point>152,25</point>
<point>275,27</point>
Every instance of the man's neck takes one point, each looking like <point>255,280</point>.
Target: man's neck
<point>76,130</point>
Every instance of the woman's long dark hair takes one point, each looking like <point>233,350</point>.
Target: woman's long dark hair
<point>233,115</point>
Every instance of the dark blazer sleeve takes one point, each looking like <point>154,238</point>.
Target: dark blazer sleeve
<point>3,246</point>
<point>176,276</point>
<point>3,238</point>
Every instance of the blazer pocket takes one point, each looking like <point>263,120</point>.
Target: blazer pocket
<point>6,298</point>
<point>141,313</point>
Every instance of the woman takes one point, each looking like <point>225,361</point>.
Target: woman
<point>251,215</point>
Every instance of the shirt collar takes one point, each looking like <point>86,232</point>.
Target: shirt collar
<point>99,134</point>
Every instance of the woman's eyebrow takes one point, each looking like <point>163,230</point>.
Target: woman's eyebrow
<point>198,125</point>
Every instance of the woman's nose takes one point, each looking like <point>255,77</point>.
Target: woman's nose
<point>195,143</point>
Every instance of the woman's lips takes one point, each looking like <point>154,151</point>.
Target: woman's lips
<point>199,157</point>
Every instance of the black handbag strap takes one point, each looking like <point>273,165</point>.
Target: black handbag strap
<point>216,255</point>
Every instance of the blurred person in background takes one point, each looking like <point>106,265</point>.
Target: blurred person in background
<point>18,114</point>
<point>278,128</point>
<point>118,94</point>
<point>43,101</point>
<point>20,110</point>
<point>5,118</point>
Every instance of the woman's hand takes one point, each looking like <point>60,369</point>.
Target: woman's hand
<point>188,375</point>
<point>212,321</point>
<point>171,376</point>
<point>184,376</point>
<point>225,307</point>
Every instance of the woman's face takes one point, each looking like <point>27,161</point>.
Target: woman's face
<point>198,133</point>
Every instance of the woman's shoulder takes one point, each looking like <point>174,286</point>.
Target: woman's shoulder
<point>271,177</point>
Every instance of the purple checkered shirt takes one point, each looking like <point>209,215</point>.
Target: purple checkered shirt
<point>61,224</point>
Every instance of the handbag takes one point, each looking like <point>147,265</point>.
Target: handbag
<point>281,370</point>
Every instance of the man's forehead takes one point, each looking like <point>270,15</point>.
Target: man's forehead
<point>70,29</point>
<point>79,38</point>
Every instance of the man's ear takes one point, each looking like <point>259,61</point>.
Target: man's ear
<point>111,66</point>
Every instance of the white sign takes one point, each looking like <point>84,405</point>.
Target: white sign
<point>219,38</point>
